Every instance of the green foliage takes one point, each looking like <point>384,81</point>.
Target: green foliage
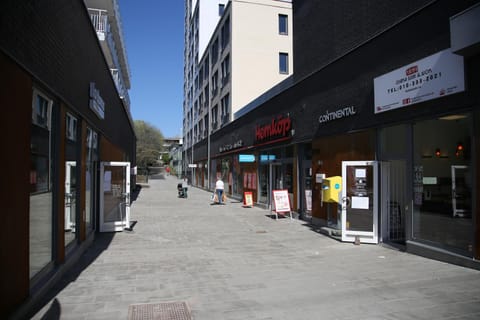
<point>166,158</point>
<point>149,143</point>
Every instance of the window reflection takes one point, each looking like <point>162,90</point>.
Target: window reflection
<point>442,182</point>
<point>40,184</point>
<point>71,155</point>
<point>91,177</point>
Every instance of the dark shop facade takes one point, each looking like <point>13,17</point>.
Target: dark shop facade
<point>64,128</point>
<point>377,139</point>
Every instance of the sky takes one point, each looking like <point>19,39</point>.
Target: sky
<point>153,33</point>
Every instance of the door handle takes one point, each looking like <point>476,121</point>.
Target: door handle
<point>345,202</point>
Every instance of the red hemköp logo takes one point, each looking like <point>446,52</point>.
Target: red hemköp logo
<point>411,70</point>
<point>406,101</point>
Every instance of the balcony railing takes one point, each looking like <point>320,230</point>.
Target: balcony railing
<point>99,20</point>
<point>122,91</point>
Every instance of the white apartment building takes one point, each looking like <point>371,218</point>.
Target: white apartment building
<point>106,19</point>
<point>234,51</point>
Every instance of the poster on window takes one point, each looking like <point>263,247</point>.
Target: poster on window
<point>245,180</point>
<point>281,200</point>
<point>308,199</point>
<point>254,181</point>
<point>418,185</point>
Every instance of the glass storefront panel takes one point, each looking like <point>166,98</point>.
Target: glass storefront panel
<point>91,178</point>
<point>226,174</point>
<point>442,182</point>
<point>71,188</point>
<point>41,187</point>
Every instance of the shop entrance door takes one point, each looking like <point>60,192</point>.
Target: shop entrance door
<point>114,196</point>
<point>360,201</point>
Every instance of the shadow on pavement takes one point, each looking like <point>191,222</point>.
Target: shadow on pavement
<point>100,244</point>
<point>53,312</point>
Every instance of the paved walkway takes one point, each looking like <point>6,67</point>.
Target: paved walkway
<point>229,262</point>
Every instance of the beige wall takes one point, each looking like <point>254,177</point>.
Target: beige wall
<point>256,45</point>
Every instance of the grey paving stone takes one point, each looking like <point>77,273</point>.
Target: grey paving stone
<point>229,262</point>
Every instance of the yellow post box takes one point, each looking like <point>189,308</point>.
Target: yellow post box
<point>331,187</point>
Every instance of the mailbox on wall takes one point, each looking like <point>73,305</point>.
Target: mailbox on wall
<point>331,188</point>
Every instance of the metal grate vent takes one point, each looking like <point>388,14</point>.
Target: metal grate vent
<point>159,311</point>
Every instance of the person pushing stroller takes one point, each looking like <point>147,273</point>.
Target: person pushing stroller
<point>182,188</point>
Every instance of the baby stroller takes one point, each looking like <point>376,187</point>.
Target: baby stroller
<point>182,192</point>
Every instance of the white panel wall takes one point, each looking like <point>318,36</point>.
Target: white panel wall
<point>208,21</point>
<point>256,44</point>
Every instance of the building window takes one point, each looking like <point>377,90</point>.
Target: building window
<point>41,188</point>
<point>226,70</point>
<point>214,51</point>
<point>283,24</point>
<point>283,62</point>
<point>225,109</point>
<point>215,84</point>
<point>214,117</point>
<point>221,9</point>
<point>225,33</point>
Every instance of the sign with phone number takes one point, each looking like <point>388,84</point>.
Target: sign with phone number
<point>435,76</point>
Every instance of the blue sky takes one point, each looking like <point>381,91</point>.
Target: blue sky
<point>153,32</point>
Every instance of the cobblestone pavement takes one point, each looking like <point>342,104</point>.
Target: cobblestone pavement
<point>229,262</point>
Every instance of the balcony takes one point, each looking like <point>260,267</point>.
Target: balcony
<point>99,18</point>
<point>122,91</point>
<point>105,17</point>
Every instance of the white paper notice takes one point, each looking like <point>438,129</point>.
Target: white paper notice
<point>360,173</point>
<point>107,181</point>
<point>359,202</point>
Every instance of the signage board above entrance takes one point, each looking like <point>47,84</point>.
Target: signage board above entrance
<point>246,158</point>
<point>435,76</point>
<point>96,102</point>
<point>337,114</point>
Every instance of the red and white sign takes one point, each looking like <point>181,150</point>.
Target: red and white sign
<point>435,76</point>
<point>281,201</point>
<point>248,199</point>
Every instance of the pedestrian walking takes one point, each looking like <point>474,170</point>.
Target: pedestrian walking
<point>219,186</point>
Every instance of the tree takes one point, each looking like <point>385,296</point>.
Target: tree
<point>166,158</point>
<point>149,143</point>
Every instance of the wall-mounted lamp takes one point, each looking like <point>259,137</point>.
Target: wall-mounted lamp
<point>459,149</point>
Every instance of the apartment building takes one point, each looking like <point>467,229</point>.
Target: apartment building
<point>234,51</point>
<point>69,143</point>
<point>106,19</point>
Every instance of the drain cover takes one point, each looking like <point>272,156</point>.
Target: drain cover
<point>159,311</point>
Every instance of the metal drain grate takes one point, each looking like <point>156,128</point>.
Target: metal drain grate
<point>159,311</point>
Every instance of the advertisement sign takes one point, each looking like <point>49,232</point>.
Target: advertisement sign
<point>247,199</point>
<point>433,77</point>
<point>308,199</point>
<point>281,200</point>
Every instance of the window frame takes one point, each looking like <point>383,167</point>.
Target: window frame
<point>283,27</point>
<point>283,60</point>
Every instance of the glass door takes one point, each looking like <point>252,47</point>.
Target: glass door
<point>360,201</point>
<point>114,196</point>
<point>70,195</point>
<point>460,195</point>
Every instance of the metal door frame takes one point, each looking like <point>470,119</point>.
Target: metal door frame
<point>456,212</point>
<point>363,236</point>
<point>125,221</point>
